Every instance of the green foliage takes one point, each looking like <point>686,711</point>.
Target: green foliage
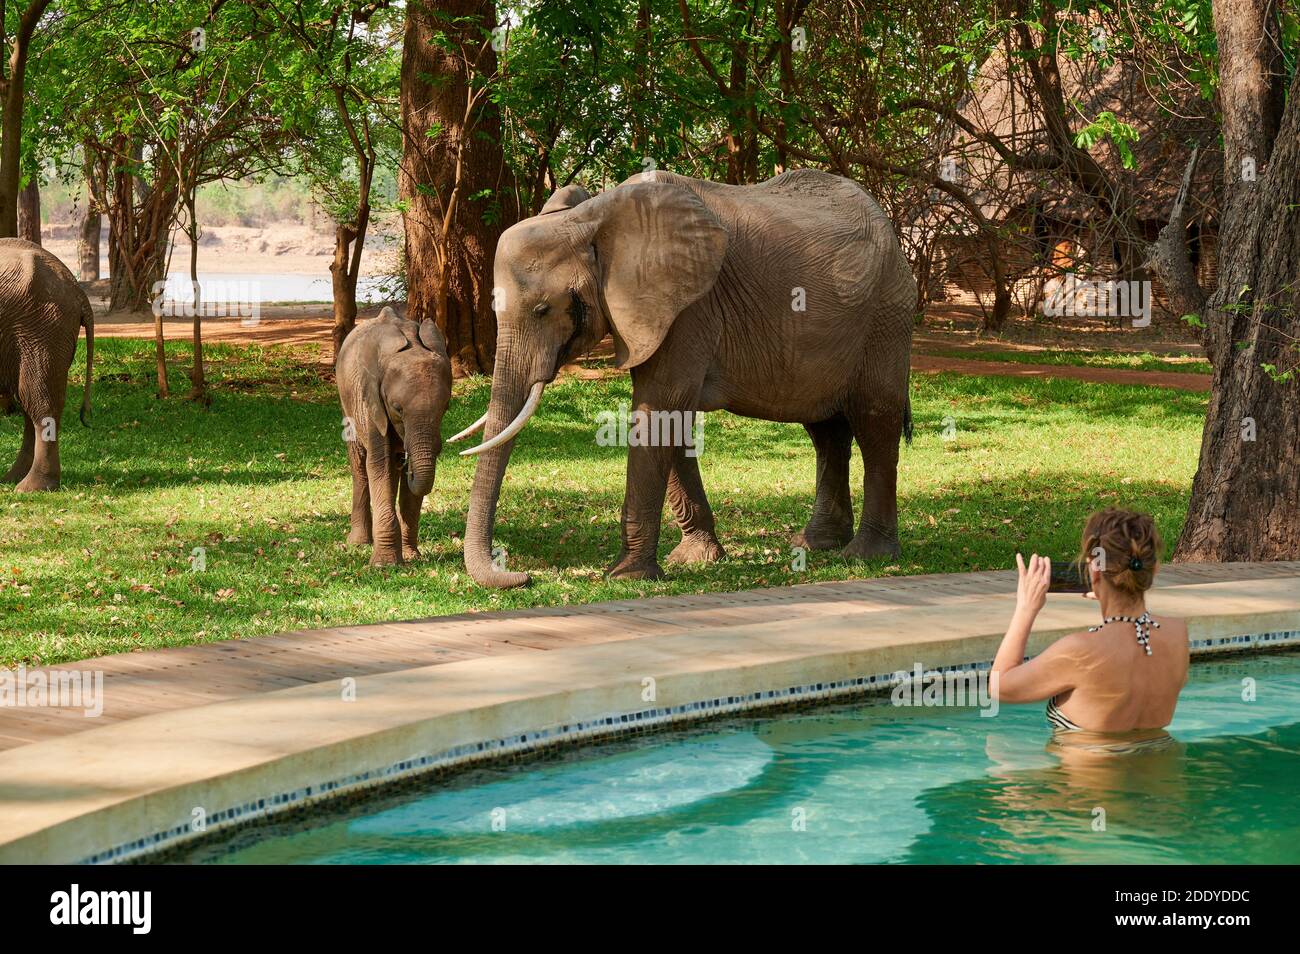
<point>1108,126</point>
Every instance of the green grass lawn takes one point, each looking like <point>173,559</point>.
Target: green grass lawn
<point>1189,362</point>
<point>260,481</point>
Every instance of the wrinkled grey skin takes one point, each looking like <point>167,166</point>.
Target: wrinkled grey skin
<point>696,281</point>
<point>42,309</point>
<point>394,383</point>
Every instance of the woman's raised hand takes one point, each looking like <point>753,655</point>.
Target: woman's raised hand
<point>1031,593</point>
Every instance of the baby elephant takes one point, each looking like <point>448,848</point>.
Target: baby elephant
<point>42,310</point>
<point>394,384</point>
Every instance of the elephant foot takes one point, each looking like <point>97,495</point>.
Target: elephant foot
<point>697,547</point>
<point>33,483</point>
<point>16,473</point>
<point>628,569</point>
<point>382,557</point>
<point>869,544</point>
<point>410,553</point>
<point>359,537</point>
<point>823,536</point>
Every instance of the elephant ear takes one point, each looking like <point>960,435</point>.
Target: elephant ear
<point>372,398</point>
<point>396,336</point>
<point>432,338</point>
<point>565,198</point>
<point>659,250</point>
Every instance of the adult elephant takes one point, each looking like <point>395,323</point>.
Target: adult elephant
<point>785,301</point>
<point>42,311</point>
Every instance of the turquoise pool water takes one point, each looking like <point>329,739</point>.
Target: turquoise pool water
<point>867,782</point>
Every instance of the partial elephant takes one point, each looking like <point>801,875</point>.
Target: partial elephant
<point>789,300</point>
<point>394,383</point>
<point>42,311</point>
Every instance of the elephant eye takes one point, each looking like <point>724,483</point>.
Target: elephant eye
<point>541,308</point>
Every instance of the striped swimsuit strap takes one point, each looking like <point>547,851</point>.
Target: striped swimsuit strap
<point>1057,719</point>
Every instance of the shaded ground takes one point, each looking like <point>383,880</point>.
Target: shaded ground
<point>934,364</point>
<point>947,341</point>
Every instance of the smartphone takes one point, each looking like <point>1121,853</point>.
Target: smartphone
<point>1069,576</point>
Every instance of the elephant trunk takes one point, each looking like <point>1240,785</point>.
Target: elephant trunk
<point>508,398</point>
<point>421,465</point>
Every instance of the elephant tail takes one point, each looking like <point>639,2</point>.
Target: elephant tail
<point>88,320</point>
<point>907,420</point>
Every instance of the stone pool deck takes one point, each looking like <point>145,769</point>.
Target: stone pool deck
<point>230,731</point>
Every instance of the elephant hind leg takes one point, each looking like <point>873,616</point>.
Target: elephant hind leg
<point>41,397</point>
<point>831,523</point>
<point>877,432</point>
<point>691,509</point>
<point>360,534</point>
<point>25,454</point>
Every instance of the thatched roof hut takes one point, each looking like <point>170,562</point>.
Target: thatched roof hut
<point>1047,223</point>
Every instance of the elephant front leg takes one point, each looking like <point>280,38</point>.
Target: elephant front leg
<point>643,505</point>
<point>382,476</point>
<point>690,506</point>
<point>26,453</point>
<point>361,532</point>
<point>408,511</point>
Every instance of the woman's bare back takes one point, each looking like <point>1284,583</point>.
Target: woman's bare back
<point>1119,687</point>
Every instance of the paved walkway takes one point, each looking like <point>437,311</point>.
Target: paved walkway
<point>1184,381</point>
<point>145,683</point>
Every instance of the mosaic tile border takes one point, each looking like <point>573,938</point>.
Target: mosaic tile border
<point>602,727</point>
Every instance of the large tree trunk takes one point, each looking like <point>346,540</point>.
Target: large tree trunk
<point>452,169</point>
<point>1246,496</point>
<point>13,95</point>
<point>29,211</point>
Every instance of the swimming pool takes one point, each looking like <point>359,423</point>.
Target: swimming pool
<point>865,782</point>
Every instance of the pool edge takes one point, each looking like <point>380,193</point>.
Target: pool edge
<point>750,669</point>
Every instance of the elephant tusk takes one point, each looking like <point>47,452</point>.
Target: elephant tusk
<point>476,426</point>
<point>515,426</point>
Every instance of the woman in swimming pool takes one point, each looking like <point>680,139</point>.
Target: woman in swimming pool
<point>1119,676</point>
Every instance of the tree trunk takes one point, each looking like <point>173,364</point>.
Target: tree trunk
<point>435,86</point>
<point>88,245</point>
<point>29,211</point>
<point>13,93</point>
<point>1245,502</point>
<point>350,242</point>
<point>92,221</point>
<point>344,283</point>
<point>140,218</point>
<point>141,231</point>
<point>198,382</point>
